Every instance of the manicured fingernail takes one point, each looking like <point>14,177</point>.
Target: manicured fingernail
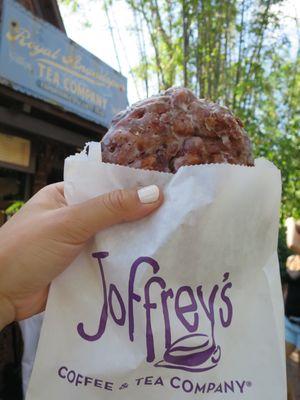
<point>148,194</point>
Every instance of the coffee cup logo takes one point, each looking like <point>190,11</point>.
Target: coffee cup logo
<point>188,357</point>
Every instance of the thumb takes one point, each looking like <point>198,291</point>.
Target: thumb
<point>112,208</point>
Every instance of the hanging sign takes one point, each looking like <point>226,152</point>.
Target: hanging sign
<point>38,59</point>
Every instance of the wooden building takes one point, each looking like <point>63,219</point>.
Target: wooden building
<point>54,97</point>
<point>44,121</point>
<point>45,9</point>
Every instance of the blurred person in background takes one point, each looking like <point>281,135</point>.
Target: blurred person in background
<point>292,300</point>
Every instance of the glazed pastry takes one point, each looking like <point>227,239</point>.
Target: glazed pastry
<point>173,129</point>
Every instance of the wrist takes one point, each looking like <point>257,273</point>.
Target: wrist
<point>7,312</point>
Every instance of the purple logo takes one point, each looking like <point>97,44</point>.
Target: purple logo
<point>196,351</point>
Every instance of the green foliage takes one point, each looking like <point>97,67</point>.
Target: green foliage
<point>73,4</point>
<point>235,53</point>
<point>14,207</point>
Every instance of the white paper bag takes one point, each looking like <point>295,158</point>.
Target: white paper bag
<point>184,304</point>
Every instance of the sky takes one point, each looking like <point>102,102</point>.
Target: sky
<point>97,38</point>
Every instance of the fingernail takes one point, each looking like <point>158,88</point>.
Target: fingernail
<point>148,194</point>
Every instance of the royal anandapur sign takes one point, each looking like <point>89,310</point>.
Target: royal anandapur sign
<point>39,60</point>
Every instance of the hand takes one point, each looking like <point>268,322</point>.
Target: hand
<point>293,235</point>
<point>46,235</point>
<point>293,263</point>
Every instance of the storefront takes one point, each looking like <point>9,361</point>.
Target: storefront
<point>54,97</point>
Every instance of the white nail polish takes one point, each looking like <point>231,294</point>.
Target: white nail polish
<point>148,194</point>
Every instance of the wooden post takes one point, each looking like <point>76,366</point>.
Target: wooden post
<point>45,158</point>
